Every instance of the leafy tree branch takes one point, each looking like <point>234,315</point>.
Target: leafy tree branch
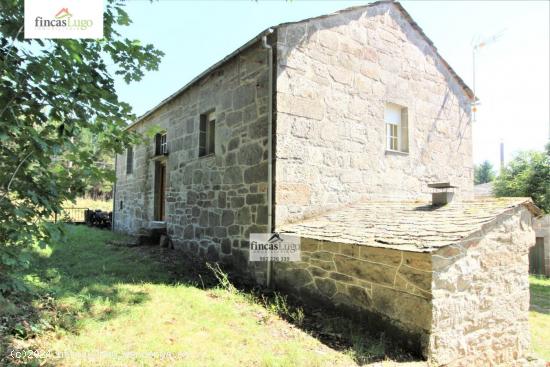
<point>51,93</point>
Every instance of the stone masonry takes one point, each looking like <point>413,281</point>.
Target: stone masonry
<point>393,285</point>
<point>213,202</point>
<point>335,75</point>
<point>480,294</point>
<point>454,289</point>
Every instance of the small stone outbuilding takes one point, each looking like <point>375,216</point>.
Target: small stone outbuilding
<point>449,281</point>
<point>332,128</point>
<point>539,254</point>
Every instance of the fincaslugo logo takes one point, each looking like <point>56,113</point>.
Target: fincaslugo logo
<point>280,247</point>
<point>56,19</point>
<point>63,18</point>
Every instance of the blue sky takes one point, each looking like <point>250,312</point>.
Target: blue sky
<point>512,74</point>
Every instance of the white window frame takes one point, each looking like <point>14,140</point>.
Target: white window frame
<point>393,137</point>
<point>163,143</point>
<point>393,119</point>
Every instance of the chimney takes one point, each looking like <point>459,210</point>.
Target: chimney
<point>442,194</point>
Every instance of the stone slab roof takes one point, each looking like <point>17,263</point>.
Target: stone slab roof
<point>483,190</point>
<point>406,225</point>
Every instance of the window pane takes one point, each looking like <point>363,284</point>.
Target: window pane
<point>163,144</point>
<point>129,160</point>
<point>211,136</point>
<point>396,119</point>
<point>392,136</point>
<point>392,114</point>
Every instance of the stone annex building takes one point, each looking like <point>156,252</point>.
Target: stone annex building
<point>331,128</point>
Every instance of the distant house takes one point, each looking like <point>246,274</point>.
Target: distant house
<point>484,190</point>
<point>331,128</point>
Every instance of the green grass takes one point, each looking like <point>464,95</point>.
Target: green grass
<point>118,301</point>
<point>108,305</point>
<point>539,316</point>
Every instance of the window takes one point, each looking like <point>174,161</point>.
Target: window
<point>161,145</point>
<point>397,130</point>
<point>129,160</point>
<point>207,134</point>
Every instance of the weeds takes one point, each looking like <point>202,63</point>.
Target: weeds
<point>278,304</point>
<point>365,350</point>
<point>222,277</point>
<point>274,302</point>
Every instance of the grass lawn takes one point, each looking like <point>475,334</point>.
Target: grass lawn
<point>539,316</point>
<point>102,304</point>
<point>112,305</point>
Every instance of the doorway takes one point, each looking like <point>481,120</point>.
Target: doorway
<point>160,191</point>
<point>536,258</point>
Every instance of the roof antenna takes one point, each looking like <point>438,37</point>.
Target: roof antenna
<point>477,44</point>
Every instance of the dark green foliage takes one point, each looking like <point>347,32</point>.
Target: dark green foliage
<point>527,175</point>
<point>483,173</point>
<point>51,91</point>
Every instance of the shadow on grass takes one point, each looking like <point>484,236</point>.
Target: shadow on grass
<point>85,277</point>
<point>540,294</point>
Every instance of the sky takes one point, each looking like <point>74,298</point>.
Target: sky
<point>512,74</point>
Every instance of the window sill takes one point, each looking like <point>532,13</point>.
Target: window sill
<point>207,156</point>
<point>396,152</point>
<point>157,224</point>
<point>160,157</point>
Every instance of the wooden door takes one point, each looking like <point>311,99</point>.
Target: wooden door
<point>536,257</point>
<point>162,194</point>
<point>160,191</point>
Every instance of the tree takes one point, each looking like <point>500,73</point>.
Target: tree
<point>527,175</point>
<point>483,173</point>
<point>95,187</point>
<point>50,92</point>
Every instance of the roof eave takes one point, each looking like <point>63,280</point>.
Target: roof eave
<point>200,76</point>
<point>469,93</point>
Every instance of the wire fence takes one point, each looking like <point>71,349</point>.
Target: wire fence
<point>70,215</point>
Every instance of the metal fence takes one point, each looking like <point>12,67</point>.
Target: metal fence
<point>71,215</point>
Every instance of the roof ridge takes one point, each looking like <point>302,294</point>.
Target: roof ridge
<point>245,46</point>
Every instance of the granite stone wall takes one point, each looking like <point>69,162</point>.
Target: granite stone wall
<point>212,202</point>
<point>460,305</point>
<point>480,294</point>
<point>389,286</point>
<point>334,76</point>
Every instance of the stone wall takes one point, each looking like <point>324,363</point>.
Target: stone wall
<point>213,202</point>
<point>481,295</point>
<point>387,286</point>
<point>334,76</point>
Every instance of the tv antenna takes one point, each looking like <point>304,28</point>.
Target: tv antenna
<point>477,44</point>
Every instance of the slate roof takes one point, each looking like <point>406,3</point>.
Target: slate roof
<point>268,31</point>
<point>483,190</point>
<point>406,225</point>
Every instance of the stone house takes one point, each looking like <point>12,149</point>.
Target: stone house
<point>331,128</point>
